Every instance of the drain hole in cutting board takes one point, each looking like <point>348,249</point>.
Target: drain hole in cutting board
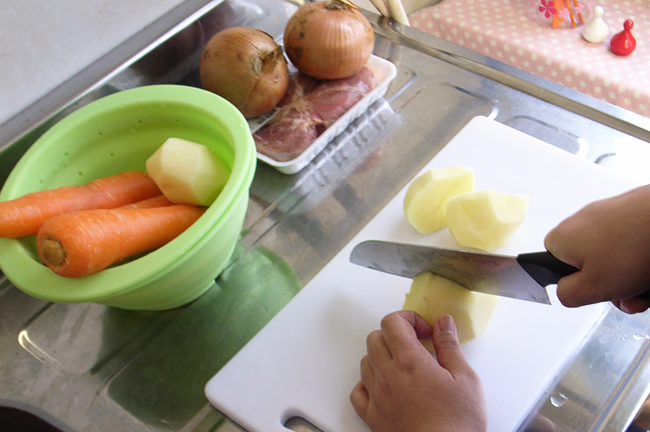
<point>299,424</point>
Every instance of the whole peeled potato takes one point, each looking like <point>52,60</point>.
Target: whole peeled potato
<point>246,67</point>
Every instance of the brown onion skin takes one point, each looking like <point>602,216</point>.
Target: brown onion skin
<point>246,67</point>
<point>328,42</point>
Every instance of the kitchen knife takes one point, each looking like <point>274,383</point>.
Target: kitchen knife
<point>523,277</point>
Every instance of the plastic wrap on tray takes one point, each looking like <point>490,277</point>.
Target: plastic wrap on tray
<point>290,161</point>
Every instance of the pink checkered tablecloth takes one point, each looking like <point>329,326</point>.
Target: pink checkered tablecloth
<point>505,30</point>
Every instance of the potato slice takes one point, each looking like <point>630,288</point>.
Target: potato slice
<point>187,172</point>
<point>425,203</point>
<point>485,219</point>
<point>433,296</point>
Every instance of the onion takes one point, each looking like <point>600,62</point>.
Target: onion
<point>328,39</point>
<point>246,67</point>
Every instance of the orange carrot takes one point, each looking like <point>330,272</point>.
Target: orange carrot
<point>575,3</point>
<point>571,15</point>
<point>23,216</point>
<point>557,19</point>
<point>158,201</point>
<point>81,243</point>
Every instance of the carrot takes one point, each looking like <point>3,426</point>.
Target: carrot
<point>582,20</point>
<point>573,17</point>
<point>557,19</point>
<point>23,216</point>
<point>81,243</point>
<point>157,201</point>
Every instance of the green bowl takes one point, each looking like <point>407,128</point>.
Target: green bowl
<point>118,133</point>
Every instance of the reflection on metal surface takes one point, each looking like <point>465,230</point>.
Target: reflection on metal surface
<point>605,383</point>
<point>642,420</point>
<point>337,159</point>
<point>183,355</point>
<point>28,345</point>
<point>549,133</point>
<point>89,366</point>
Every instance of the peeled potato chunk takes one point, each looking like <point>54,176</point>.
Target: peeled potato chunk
<point>425,203</point>
<point>433,296</point>
<point>187,172</point>
<point>485,219</point>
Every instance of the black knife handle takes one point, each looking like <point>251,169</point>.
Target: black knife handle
<point>544,267</point>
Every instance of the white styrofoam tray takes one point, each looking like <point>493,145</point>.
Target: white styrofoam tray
<point>388,71</point>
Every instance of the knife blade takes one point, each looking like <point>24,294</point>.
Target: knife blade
<point>523,277</point>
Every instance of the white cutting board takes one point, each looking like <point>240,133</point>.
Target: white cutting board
<point>306,360</point>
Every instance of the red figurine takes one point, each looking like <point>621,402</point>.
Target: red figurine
<point>623,43</point>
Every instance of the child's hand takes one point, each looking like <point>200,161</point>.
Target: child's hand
<point>403,388</point>
<point>609,241</point>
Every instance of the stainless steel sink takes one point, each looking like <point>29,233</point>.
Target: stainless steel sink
<point>86,367</point>
<point>19,420</point>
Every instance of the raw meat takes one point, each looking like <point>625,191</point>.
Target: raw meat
<point>308,108</point>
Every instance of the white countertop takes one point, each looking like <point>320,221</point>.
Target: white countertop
<point>44,43</point>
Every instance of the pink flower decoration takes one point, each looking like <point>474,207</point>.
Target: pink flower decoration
<point>547,8</point>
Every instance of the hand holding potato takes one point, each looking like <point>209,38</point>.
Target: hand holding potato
<point>609,241</point>
<point>404,388</point>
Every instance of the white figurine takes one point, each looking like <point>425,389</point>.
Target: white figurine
<point>596,30</point>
